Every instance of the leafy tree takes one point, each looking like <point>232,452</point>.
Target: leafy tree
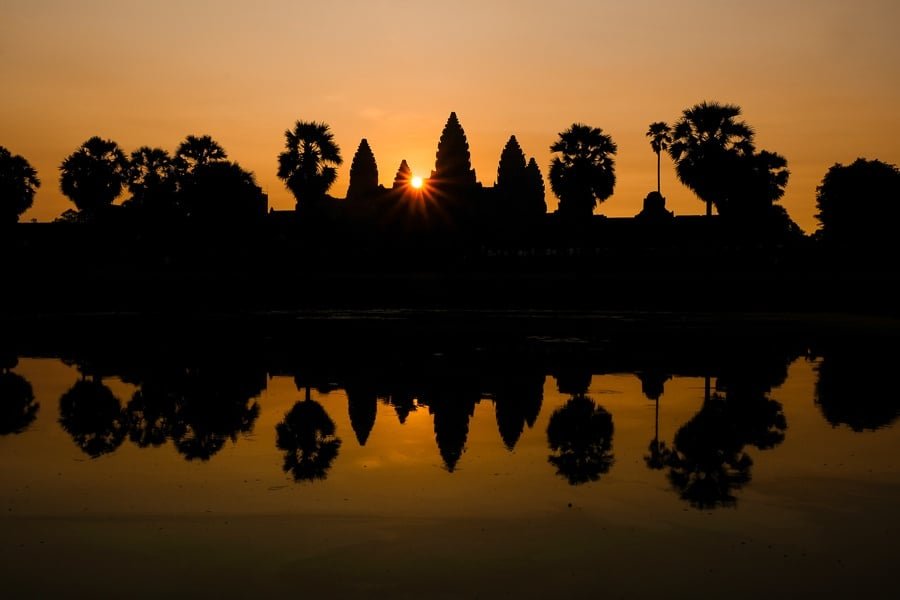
<point>453,164</point>
<point>222,191</point>
<point>660,135</point>
<point>584,172</point>
<point>363,172</point>
<point>308,165</point>
<point>759,182</point>
<point>708,143</point>
<point>93,176</point>
<point>196,152</point>
<point>859,205</point>
<point>18,184</point>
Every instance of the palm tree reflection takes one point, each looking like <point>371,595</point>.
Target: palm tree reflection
<point>580,435</point>
<point>307,437</point>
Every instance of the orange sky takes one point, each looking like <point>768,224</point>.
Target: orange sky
<point>817,79</point>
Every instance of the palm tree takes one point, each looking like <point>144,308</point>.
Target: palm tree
<point>707,144</point>
<point>93,176</point>
<point>660,135</point>
<point>196,152</point>
<point>584,173</point>
<point>150,177</point>
<point>308,164</point>
<point>18,184</point>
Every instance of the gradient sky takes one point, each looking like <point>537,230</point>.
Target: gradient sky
<point>819,80</point>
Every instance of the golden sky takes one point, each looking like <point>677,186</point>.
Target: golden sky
<point>819,80</point>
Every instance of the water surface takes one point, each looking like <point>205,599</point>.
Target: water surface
<point>731,465</point>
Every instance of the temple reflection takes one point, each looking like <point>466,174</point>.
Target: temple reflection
<point>201,397</point>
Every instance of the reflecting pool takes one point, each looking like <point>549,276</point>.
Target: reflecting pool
<point>354,457</point>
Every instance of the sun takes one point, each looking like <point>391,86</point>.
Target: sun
<point>417,182</point>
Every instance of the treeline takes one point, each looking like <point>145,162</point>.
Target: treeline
<point>713,152</point>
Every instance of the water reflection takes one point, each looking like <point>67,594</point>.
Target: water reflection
<point>93,416</point>
<point>307,438</point>
<point>197,407</point>
<point>708,461</point>
<point>201,397</point>
<point>580,436</point>
<point>856,387</point>
<point>18,408</point>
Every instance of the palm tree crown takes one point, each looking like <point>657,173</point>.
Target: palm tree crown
<point>93,176</point>
<point>660,135</point>
<point>584,172</point>
<point>308,164</point>
<point>707,141</point>
<point>196,152</point>
<point>18,184</point>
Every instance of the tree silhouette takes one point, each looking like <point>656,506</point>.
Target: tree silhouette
<point>858,205</point>
<point>584,172</point>
<point>308,164</point>
<point>222,191</point>
<point>580,435</point>
<point>93,176</point>
<point>196,152</point>
<point>759,181</point>
<point>453,165</point>
<point>363,172</point>
<point>18,408</point>
<point>152,182</point>
<point>660,135</point>
<point>306,435</point>
<point>18,184</point>
<point>93,416</point>
<point>707,144</point>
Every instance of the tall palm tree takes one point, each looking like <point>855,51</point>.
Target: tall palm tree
<point>660,135</point>
<point>584,172</point>
<point>18,184</point>
<point>196,152</point>
<point>150,176</point>
<point>308,164</point>
<point>708,142</point>
<point>93,176</point>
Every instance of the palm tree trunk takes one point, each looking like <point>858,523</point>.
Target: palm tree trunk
<point>656,426</point>
<point>657,175</point>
